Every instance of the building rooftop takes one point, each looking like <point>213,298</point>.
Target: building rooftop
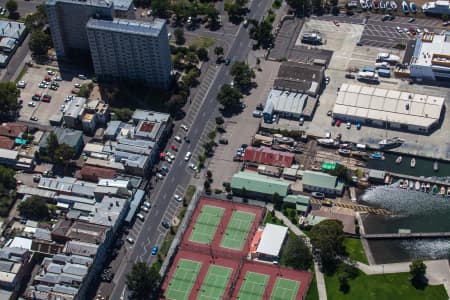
<point>80,231</point>
<point>285,101</point>
<point>319,179</point>
<point>401,107</point>
<point>11,29</point>
<point>66,136</point>
<point>8,154</point>
<point>13,130</point>
<point>75,107</point>
<point>268,156</point>
<point>424,50</point>
<point>127,26</point>
<point>300,77</point>
<point>148,115</point>
<point>254,182</point>
<point>122,4</point>
<point>81,248</point>
<point>272,240</point>
<point>98,3</point>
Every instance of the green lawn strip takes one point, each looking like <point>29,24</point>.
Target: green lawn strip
<point>355,249</point>
<point>215,282</point>
<point>183,279</point>
<point>285,289</point>
<point>313,292</point>
<point>206,224</point>
<point>274,220</point>
<point>237,230</point>
<point>202,42</point>
<point>386,287</point>
<point>253,286</point>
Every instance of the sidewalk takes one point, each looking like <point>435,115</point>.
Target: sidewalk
<point>319,275</point>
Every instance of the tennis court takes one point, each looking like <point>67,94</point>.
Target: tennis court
<point>183,279</point>
<point>206,225</point>
<point>285,289</point>
<point>237,230</point>
<point>215,282</point>
<point>253,286</point>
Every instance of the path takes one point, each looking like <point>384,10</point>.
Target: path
<point>319,275</point>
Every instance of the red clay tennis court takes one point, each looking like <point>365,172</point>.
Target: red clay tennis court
<point>211,263</point>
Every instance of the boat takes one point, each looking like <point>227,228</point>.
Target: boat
<point>417,186</point>
<point>405,7</point>
<point>394,5</point>
<point>422,187</point>
<point>400,183</point>
<point>411,185</point>
<point>434,189</point>
<point>398,160</point>
<point>327,142</point>
<point>376,5</point>
<point>435,166</point>
<point>388,5</point>
<point>442,191</point>
<point>405,184</point>
<point>363,4</point>
<point>427,187</point>
<point>390,142</point>
<point>318,195</point>
<point>376,155</point>
<point>387,179</point>
<point>382,5</point>
<point>448,192</point>
<point>344,152</point>
<point>413,162</point>
<point>413,7</point>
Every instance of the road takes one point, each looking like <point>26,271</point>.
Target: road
<point>162,197</point>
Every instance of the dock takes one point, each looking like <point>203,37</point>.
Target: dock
<point>411,235</point>
<point>355,207</point>
<point>421,179</point>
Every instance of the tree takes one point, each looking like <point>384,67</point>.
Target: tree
<point>242,75</point>
<point>417,269</point>
<point>444,17</point>
<point>277,201</point>
<point>296,253</point>
<point>229,97</point>
<point>52,144</point>
<point>179,36</point>
<point>344,273</point>
<point>262,33</point>
<point>143,281</point>
<point>39,42</point>
<point>220,121</point>
<point>11,6</point>
<point>160,7</point>
<point>122,114</point>
<point>34,208</point>
<point>7,180</point>
<point>297,5</point>
<point>37,20</point>
<point>218,51</point>
<point>8,99</point>
<point>63,154</point>
<point>328,238</point>
<point>202,54</point>
<point>190,79</point>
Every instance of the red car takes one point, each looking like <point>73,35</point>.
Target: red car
<point>338,123</point>
<point>174,148</point>
<point>46,98</point>
<point>47,78</point>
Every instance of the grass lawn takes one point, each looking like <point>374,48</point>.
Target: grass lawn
<point>313,293</point>
<point>386,287</point>
<point>202,42</point>
<point>274,220</point>
<point>355,249</point>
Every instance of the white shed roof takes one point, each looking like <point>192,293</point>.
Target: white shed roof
<point>272,240</point>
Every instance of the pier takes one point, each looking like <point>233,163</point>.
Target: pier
<point>415,235</point>
<point>421,179</point>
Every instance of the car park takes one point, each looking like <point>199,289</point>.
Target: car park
<point>154,250</point>
<point>177,198</point>
<point>187,156</point>
<point>193,167</point>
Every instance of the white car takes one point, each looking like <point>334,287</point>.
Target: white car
<point>147,204</point>
<point>177,198</point>
<point>57,78</point>
<point>21,84</point>
<point>140,217</point>
<point>349,125</point>
<point>130,240</point>
<point>159,175</point>
<point>178,139</point>
<point>184,127</point>
<point>50,72</point>
<point>77,85</point>
<point>170,155</point>
<point>32,104</point>
<point>193,167</point>
<point>187,156</point>
<point>169,160</point>
<point>144,208</point>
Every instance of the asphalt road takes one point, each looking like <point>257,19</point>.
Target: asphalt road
<point>162,197</point>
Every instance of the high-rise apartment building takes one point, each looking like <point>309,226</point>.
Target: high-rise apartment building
<point>67,20</point>
<point>130,49</point>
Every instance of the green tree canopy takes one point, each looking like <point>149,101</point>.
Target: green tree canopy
<point>296,253</point>
<point>8,99</point>
<point>202,54</point>
<point>262,33</point>
<point>160,8</point>
<point>328,238</point>
<point>218,51</point>
<point>142,281</point>
<point>219,121</point>
<point>122,114</point>
<point>417,269</point>
<point>52,144</point>
<point>242,75</point>
<point>7,180</point>
<point>34,208</point>
<point>229,97</point>
<point>36,20</point>
<point>40,42</point>
<point>179,36</point>
<point>63,154</point>
<point>11,6</point>
<point>298,5</point>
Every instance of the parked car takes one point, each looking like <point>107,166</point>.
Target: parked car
<point>147,204</point>
<point>21,84</point>
<point>177,138</point>
<point>318,195</point>
<point>130,240</point>
<point>32,104</point>
<point>186,139</point>
<point>155,250</point>
<point>177,198</point>
<point>140,217</point>
<point>187,156</point>
<point>193,167</point>
<point>184,127</point>
<point>82,76</point>
<point>165,224</point>
<point>144,209</point>
<point>349,125</point>
<point>174,148</point>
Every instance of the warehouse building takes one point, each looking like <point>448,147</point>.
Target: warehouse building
<point>388,108</point>
<point>284,104</point>
<point>272,240</point>
<point>258,186</point>
<point>321,182</point>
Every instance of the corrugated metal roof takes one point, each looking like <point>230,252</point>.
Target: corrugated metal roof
<point>255,182</point>
<point>267,156</point>
<point>272,240</point>
<point>319,179</point>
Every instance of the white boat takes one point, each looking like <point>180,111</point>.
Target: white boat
<point>394,5</point>
<point>382,5</point>
<point>363,4</point>
<point>390,142</point>
<point>435,166</point>
<point>344,152</point>
<point>417,186</point>
<point>442,191</point>
<point>427,187</point>
<point>413,162</point>
<point>413,7</point>
<point>405,7</point>
<point>327,142</point>
<point>405,184</point>
<point>411,185</point>
<point>422,187</point>
<point>388,5</point>
<point>398,160</point>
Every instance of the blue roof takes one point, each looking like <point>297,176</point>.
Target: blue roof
<point>122,4</point>
<point>128,26</point>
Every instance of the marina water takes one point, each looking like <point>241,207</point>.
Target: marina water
<point>414,210</point>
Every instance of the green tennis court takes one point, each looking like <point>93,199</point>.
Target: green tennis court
<point>237,230</point>
<point>253,286</point>
<point>285,289</point>
<point>206,225</point>
<point>183,279</point>
<point>215,282</point>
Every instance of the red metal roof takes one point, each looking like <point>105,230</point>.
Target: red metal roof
<point>6,142</point>
<point>12,129</point>
<point>267,156</point>
<point>92,173</point>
